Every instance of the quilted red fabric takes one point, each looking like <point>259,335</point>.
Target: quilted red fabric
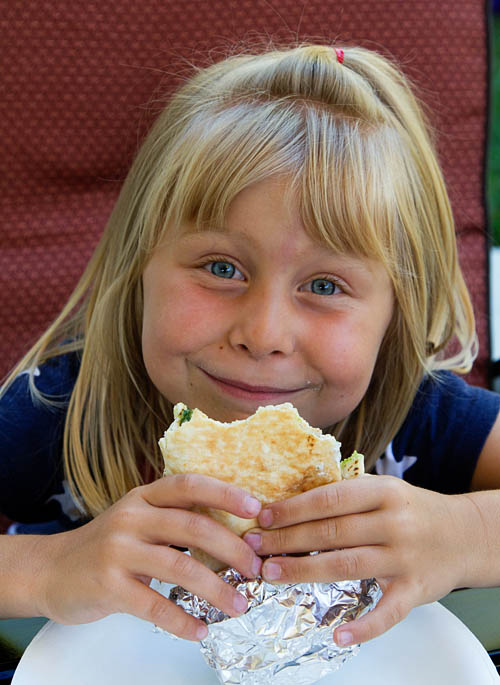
<point>79,82</point>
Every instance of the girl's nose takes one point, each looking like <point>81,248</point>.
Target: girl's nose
<point>264,325</point>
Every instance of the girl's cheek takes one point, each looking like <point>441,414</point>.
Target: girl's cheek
<point>347,361</point>
<point>184,320</point>
<point>341,345</point>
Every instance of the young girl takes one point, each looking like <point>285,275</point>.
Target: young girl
<point>284,235</point>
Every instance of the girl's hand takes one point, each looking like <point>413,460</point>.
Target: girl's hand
<point>106,565</point>
<point>410,539</point>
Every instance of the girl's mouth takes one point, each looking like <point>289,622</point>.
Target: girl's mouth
<point>237,388</point>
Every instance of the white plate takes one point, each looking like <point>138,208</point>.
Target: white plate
<point>431,647</point>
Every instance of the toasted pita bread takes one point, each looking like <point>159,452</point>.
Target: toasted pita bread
<point>353,466</point>
<point>273,454</point>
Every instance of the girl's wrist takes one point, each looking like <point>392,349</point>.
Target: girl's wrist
<point>22,574</point>
<point>471,538</point>
<point>43,567</point>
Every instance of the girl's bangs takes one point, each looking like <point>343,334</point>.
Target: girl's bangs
<point>347,187</point>
<point>224,151</point>
<point>339,170</point>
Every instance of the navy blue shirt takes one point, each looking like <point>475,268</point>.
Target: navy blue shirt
<point>437,446</point>
<point>440,441</point>
<point>32,486</point>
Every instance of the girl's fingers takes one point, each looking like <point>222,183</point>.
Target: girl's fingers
<point>336,499</point>
<point>151,606</point>
<point>342,564</point>
<point>171,566</point>
<point>329,533</point>
<point>189,529</point>
<point>392,608</point>
<point>188,489</point>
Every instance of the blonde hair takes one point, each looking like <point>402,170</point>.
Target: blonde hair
<point>353,141</point>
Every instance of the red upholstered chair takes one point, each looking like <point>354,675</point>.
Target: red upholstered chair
<point>79,83</point>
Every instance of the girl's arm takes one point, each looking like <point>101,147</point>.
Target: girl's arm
<point>486,513</point>
<point>419,544</point>
<point>106,565</point>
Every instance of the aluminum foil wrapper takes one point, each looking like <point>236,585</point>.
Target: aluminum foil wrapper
<point>287,633</point>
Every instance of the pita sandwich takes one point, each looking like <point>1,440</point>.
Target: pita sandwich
<point>273,454</point>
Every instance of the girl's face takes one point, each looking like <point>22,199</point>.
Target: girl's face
<point>261,314</point>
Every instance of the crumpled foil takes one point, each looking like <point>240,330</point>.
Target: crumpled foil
<point>287,633</point>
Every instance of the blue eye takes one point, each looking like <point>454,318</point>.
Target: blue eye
<point>222,269</point>
<point>321,286</point>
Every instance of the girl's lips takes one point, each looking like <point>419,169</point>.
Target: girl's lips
<point>240,389</point>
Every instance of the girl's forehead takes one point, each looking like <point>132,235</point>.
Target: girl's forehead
<point>265,211</point>
<point>270,211</point>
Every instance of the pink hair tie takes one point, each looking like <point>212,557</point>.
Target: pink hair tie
<point>340,55</point>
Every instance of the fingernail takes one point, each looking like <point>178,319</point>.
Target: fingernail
<point>202,632</point>
<point>256,566</point>
<point>251,506</point>
<point>271,571</point>
<point>266,518</point>
<point>254,540</point>
<point>344,638</point>
<point>240,604</point>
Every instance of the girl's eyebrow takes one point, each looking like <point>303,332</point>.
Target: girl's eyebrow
<point>243,239</point>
